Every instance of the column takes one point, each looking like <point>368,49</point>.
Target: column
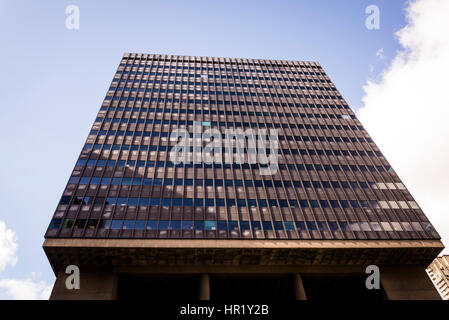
<point>300,293</point>
<point>204,287</point>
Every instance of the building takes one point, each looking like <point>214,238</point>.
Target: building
<point>438,271</point>
<point>302,225</point>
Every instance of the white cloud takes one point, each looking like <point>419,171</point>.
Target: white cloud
<point>25,289</point>
<point>8,247</point>
<point>28,288</point>
<point>407,111</point>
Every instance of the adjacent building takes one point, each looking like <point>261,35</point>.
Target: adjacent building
<point>438,271</point>
<point>223,177</point>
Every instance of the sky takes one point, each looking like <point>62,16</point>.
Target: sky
<point>54,80</point>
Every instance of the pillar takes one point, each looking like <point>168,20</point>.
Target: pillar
<point>300,293</point>
<point>204,287</point>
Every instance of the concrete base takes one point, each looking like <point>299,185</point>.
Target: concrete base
<point>407,283</point>
<point>403,282</point>
<point>95,284</point>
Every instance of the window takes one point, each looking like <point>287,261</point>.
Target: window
<point>105,224</point>
<point>55,223</point>
<point>177,202</point>
<point>140,225</point>
<point>324,203</point>
<point>187,225</point>
<point>128,224</point>
<point>199,225</point>
<point>211,225</point>
<point>255,225</point>
<point>241,202</point>
<point>262,203</point>
<point>175,224</point>
<point>65,200</point>
<point>278,225</point>
<point>322,226</point>
<point>311,225</point>
<point>222,225</point>
<point>354,226</point>
<point>267,225</point>
<point>333,225</point>
<point>289,226</point>
<point>244,225</point>
<point>304,203</point>
<point>116,224</point>
<point>314,204</point>
<point>233,225</point>
<point>198,202</point>
<point>74,180</point>
<point>283,203</point>
<point>144,202</point>
<point>92,224</point>
<point>121,201</point>
<point>152,224</point>
<point>155,202</point>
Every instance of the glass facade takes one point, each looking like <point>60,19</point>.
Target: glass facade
<point>331,182</point>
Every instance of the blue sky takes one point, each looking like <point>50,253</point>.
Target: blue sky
<point>54,79</point>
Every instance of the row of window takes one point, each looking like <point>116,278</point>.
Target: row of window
<point>238,124</point>
<point>186,82</point>
<point>176,86</point>
<point>252,103</point>
<point>169,164</point>
<point>226,183</point>
<point>281,166</point>
<point>194,78</point>
<point>209,68</point>
<point>230,124</point>
<point>208,100</point>
<point>233,102</point>
<point>266,114</point>
<point>224,150</point>
<point>168,60</point>
<point>242,124</point>
<point>223,112</point>
<point>237,225</point>
<point>211,91</point>
<point>137,181</point>
<point>220,75</point>
<point>221,202</point>
<point>241,111</point>
<point>148,133</point>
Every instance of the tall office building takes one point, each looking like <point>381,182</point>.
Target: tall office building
<point>438,271</point>
<point>296,211</point>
